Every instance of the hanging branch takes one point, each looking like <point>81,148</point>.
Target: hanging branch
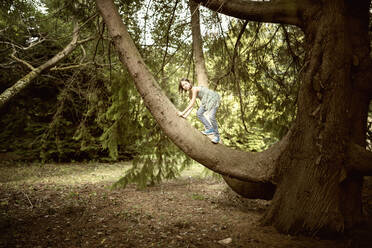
<point>235,53</point>
<point>295,58</point>
<point>167,40</point>
<point>232,69</point>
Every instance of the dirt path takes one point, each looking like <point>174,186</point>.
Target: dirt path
<point>187,212</point>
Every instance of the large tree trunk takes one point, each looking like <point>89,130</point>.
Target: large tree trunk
<point>316,190</point>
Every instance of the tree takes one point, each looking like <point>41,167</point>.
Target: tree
<point>317,168</point>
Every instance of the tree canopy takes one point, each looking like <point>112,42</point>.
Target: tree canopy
<point>89,79</point>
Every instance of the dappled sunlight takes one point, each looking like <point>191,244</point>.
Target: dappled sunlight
<point>80,174</point>
<point>64,174</point>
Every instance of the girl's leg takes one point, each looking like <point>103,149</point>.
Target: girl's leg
<point>200,115</point>
<point>214,121</point>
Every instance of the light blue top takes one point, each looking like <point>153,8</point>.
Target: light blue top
<point>209,98</point>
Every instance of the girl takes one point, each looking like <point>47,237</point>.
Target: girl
<point>210,101</point>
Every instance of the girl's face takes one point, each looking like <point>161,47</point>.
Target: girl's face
<point>185,85</point>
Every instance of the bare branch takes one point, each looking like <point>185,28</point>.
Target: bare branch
<point>27,79</point>
<point>8,65</point>
<point>85,40</point>
<point>20,60</point>
<point>64,68</point>
<point>84,53</point>
<point>167,38</point>
<point>22,47</point>
<point>75,66</point>
<point>279,11</point>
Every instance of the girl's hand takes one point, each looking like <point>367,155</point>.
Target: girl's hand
<point>180,114</point>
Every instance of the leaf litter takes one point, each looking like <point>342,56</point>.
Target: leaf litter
<point>184,212</point>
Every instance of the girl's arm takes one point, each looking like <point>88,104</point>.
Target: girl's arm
<point>188,109</point>
<point>187,113</point>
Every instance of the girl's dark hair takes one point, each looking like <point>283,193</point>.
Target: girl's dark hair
<point>180,89</point>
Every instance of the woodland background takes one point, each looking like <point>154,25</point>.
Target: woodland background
<point>85,108</point>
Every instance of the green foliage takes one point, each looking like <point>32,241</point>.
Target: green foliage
<point>93,112</point>
<point>258,78</point>
<point>159,159</point>
<point>120,120</point>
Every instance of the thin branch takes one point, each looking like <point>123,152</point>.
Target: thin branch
<point>22,47</point>
<point>237,44</point>
<point>71,67</point>
<point>85,40</point>
<point>84,53</point>
<point>167,37</point>
<point>32,206</point>
<point>20,60</point>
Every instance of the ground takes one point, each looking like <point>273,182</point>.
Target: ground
<point>73,205</point>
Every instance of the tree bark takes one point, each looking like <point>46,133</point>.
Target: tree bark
<point>197,46</point>
<point>317,191</point>
<point>319,175</point>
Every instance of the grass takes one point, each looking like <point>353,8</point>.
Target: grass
<point>63,174</point>
<point>76,174</point>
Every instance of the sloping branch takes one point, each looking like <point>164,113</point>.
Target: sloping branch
<point>35,72</point>
<point>360,159</point>
<point>275,11</point>
<point>246,166</point>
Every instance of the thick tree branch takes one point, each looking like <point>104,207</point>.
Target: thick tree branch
<point>275,11</point>
<point>246,166</point>
<point>360,159</point>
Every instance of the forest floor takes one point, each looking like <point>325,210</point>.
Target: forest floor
<point>72,205</point>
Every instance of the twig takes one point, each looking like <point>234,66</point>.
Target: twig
<point>20,60</point>
<point>32,206</point>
